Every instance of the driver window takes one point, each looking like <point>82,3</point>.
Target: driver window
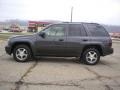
<point>49,31</point>
<point>59,31</point>
<point>55,30</point>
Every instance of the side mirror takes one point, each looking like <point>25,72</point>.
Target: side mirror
<point>42,34</point>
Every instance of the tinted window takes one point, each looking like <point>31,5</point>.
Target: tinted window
<point>97,30</point>
<point>55,30</point>
<point>76,30</point>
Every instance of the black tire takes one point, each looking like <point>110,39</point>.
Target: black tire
<point>81,60</point>
<point>28,53</point>
<point>87,60</point>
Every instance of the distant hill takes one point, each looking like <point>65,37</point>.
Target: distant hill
<point>112,29</point>
<point>20,22</point>
<point>25,22</point>
<point>109,28</point>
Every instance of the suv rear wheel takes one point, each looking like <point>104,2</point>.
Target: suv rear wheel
<point>22,53</point>
<point>91,56</point>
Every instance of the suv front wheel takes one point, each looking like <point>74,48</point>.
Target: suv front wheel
<point>91,56</point>
<point>22,53</point>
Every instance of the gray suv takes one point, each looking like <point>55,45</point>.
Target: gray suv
<point>88,41</point>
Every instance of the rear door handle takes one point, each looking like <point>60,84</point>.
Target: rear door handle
<point>84,40</point>
<point>61,39</point>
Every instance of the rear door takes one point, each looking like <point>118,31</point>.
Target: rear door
<point>76,38</point>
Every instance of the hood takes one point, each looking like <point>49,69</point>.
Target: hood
<point>21,37</point>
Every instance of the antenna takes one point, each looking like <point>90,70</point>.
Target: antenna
<point>71,13</point>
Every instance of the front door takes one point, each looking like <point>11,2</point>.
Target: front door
<point>53,44</point>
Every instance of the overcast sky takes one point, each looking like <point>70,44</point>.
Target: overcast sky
<point>101,11</point>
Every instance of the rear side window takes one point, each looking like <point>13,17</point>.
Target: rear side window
<point>76,30</point>
<point>96,30</point>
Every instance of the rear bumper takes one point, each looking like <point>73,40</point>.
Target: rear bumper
<point>8,50</point>
<point>107,51</point>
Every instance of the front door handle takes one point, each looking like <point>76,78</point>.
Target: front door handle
<point>61,39</point>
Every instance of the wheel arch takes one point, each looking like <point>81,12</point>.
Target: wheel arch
<point>96,46</point>
<point>21,43</point>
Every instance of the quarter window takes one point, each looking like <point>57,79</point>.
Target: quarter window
<point>97,30</point>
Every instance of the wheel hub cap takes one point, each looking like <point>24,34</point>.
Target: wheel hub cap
<point>21,53</point>
<point>91,57</point>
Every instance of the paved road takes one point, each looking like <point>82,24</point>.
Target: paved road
<point>59,73</point>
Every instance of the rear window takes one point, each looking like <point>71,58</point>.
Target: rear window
<point>96,30</point>
<point>76,30</point>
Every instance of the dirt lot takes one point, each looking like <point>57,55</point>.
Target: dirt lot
<point>59,73</point>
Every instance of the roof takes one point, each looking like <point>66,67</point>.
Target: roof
<point>78,23</point>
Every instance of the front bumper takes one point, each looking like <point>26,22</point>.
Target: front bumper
<point>8,50</point>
